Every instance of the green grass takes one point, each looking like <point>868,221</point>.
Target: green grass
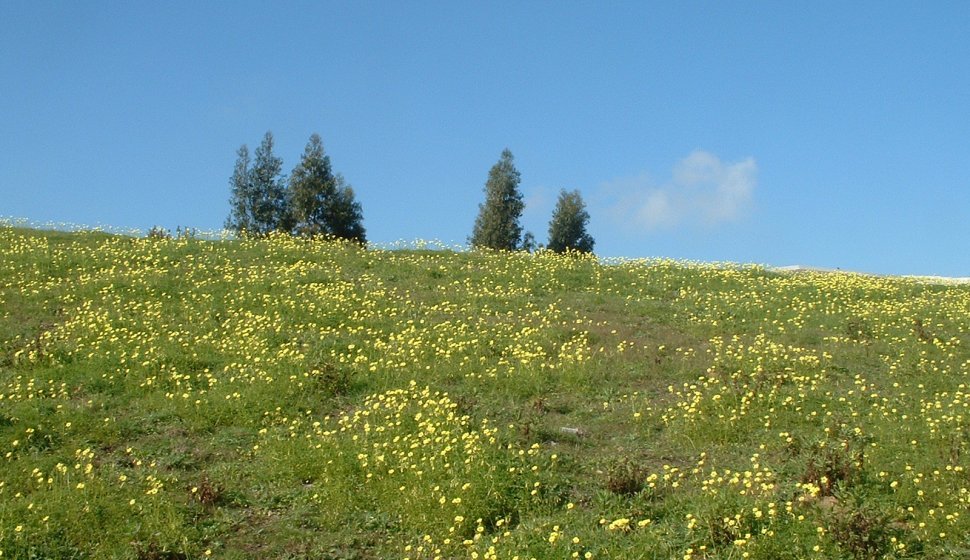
<point>180,398</point>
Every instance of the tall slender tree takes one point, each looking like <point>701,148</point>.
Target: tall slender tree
<point>241,200</point>
<point>529,243</point>
<point>321,202</point>
<point>497,225</point>
<point>567,229</point>
<point>344,214</point>
<point>312,188</point>
<point>270,205</point>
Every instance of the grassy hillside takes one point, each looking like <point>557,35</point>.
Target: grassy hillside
<point>166,399</point>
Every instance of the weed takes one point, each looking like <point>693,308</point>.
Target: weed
<point>625,478</point>
<point>158,232</point>
<point>206,493</point>
<point>861,530</point>
<point>155,552</point>
<point>835,462</point>
<point>858,329</point>
<point>330,379</point>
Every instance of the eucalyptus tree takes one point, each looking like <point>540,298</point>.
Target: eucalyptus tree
<point>567,229</point>
<point>497,225</point>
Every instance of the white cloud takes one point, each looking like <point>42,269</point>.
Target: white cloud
<point>703,191</point>
<point>655,209</point>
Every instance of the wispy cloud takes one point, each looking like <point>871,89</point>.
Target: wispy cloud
<point>539,202</point>
<point>703,191</point>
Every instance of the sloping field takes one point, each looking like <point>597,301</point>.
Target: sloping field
<point>168,399</point>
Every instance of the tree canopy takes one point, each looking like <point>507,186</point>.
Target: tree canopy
<point>497,225</point>
<point>567,229</point>
<point>322,203</point>
<point>317,201</point>
<point>312,187</point>
<point>314,201</point>
<point>344,213</point>
<point>258,203</point>
<point>241,200</point>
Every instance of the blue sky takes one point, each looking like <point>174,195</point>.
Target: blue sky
<point>831,134</point>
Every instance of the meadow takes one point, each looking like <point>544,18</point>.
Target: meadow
<point>288,398</point>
